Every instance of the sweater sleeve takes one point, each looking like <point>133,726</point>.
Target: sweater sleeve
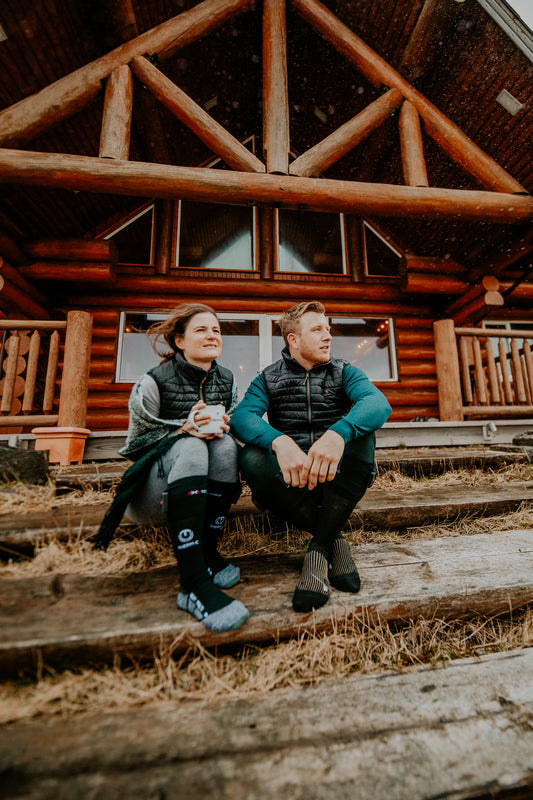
<point>247,423</point>
<point>370,408</point>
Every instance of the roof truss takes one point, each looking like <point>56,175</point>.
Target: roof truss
<point>507,202</point>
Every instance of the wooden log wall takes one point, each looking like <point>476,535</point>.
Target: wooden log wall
<point>414,395</point>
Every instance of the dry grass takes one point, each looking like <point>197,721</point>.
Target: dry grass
<point>17,498</point>
<point>395,479</point>
<point>355,645</point>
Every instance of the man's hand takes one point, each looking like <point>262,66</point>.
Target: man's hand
<point>291,459</point>
<point>323,459</point>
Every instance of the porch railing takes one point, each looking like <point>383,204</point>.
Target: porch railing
<point>483,372</point>
<point>31,391</point>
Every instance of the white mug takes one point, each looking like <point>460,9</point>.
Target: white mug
<point>217,420</point>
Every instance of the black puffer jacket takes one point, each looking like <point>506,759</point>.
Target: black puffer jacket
<point>181,385</point>
<point>305,403</point>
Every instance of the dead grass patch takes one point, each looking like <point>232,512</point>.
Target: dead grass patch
<point>395,479</point>
<point>355,645</point>
<point>17,498</point>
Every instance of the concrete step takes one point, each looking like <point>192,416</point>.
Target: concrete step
<point>379,508</point>
<point>460,731</point>
<point>65,620</point>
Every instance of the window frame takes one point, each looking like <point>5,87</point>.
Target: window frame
<point>124,224</point>
<point>344,251</point>
<point>265,320</point>
<point>386,241</point>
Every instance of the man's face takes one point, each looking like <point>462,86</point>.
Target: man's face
<point>310,345</point>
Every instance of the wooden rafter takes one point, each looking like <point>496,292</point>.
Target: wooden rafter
<point>137,179</point>
<point>275,88</point>
<point>322,155</point>
<point>221,142</point>
<point>413,163</point>
<point>444,132</point>
<point>38,113</point>
<point>116,121</point>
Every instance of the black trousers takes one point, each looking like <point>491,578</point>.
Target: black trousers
<point>304,507</point>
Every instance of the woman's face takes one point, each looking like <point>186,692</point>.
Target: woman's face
<point>202,341</point>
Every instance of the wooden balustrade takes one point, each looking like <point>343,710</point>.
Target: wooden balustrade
<point>29,371</point>
<point>483,372</point>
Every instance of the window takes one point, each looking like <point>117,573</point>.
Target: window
<point>135,238</point>
<point>311,242</point>
<point>381,258</point>
<point>212,236</point>
<point>252,341</point>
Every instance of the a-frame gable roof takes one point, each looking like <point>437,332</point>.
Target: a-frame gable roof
<point>370,143</point>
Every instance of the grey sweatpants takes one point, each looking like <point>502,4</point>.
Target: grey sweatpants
<point>189,456</point>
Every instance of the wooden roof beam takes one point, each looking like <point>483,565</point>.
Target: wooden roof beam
<point>412,147</point>
<point>215,136</point>
<point>276,137</point>
<point>116,120</point>
<point>427,36</point>
<point>318,158</point>
<point>36,114</point>
<point>445,133</point>
<point>138,179</point>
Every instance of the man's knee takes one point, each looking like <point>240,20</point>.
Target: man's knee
<point>257,464</point>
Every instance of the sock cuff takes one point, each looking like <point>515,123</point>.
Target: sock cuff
<point>190,483</point>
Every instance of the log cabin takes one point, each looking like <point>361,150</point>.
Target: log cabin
<point>373,155</point>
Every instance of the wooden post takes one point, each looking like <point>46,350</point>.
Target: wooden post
<point>318,158</point>
<point>413,163</point>
<point>116,121</point>
<point>448,374</point>
<point>76,365</point>
<point>217,138</point>
<point>276,140</point>
<point>452,140</point>
<point>34,115</point>
<point>164,217</point>
<point>222,186</point>
<point>267,241</point>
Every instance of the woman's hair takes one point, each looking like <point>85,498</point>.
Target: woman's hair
<point>290,321</point>
<point>174,325</point>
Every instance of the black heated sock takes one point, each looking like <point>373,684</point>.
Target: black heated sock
<point>220,497</point>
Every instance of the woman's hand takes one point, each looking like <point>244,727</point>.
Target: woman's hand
<point>196,419</point>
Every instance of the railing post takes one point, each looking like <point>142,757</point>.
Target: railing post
<point>448,373</point>
<point>76,364</point>
<point>66,443</point>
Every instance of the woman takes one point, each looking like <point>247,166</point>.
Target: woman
<point>181,476</point>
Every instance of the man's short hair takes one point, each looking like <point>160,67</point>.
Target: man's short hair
<point>290,321</point>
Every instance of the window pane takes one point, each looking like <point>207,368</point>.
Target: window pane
<point>309,242</point>
<point>134,240</point>
<point>137,355</point>
<point>241,350</point>
<point>381,259</point>
<point>215,236</point>
<point>365,343</point>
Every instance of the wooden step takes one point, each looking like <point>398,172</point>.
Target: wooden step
<point>73,619</point>
<point>460,731</point>
<point>418,462</point>
<point>379,508</point>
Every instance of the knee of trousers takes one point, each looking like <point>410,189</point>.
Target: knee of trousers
<point>257,464</point>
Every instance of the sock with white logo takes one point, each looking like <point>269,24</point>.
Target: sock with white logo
<point>186,503</point>
<point>220,497</point>
<point>312,588</point>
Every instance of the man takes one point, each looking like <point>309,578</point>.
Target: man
<point>314,458</point>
